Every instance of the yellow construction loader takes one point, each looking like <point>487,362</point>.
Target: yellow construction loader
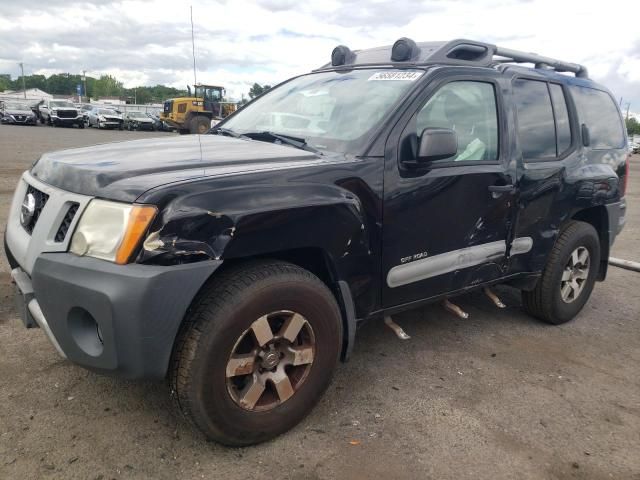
<point>195,113</point>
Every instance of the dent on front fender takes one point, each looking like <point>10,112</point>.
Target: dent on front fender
<point>257,222</point>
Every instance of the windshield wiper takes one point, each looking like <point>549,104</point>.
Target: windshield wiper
<point>226,131</point>
<point>296,142</point>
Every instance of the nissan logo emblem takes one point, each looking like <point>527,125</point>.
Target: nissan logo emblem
<point>28,209</point>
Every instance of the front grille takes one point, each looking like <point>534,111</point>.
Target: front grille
<point>41,200</point>
<point>67,114</point>
<point>61,234</point>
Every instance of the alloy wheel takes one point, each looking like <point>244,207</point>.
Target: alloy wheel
<point>575,275</point>
<point>265,369</point>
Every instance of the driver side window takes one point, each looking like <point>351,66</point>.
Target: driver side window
<point>469,109</point>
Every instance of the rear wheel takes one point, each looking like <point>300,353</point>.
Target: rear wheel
<point>569,276</point>
<point>257,351</point>
<point>199,124</point>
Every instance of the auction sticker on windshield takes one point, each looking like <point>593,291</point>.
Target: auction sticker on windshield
<point>406,76</point>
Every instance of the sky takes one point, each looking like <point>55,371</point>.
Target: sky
<point>240,42</point>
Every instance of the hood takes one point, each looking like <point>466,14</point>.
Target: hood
<point>125,170</point>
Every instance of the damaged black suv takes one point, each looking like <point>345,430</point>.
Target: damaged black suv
<point>238,264</point>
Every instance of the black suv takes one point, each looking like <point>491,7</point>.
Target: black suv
<point>238,264</point>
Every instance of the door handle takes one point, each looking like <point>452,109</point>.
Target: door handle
<point>502,188</point>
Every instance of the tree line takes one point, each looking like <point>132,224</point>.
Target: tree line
<point>65,84</point>
<point>633,126</point>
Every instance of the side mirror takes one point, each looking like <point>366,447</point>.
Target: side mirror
<point>584,132</point>
<point>437,144</point>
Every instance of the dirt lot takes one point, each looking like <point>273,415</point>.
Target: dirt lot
<point>499,395</point>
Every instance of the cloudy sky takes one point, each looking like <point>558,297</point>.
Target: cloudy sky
<point>240,42</point>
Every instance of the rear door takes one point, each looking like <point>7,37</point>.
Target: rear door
<point>447,225</point>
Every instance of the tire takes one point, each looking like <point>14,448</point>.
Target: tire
<point>98,125</point>
<point>199,125</point>
<point>81,125</point>
<point>546,300</point>
<point>221,319</point>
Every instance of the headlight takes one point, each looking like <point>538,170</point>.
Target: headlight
<point>110,230</point>
<point>101,118</point>
<point>54,112</point>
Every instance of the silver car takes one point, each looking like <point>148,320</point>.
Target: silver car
<point>104,118</point>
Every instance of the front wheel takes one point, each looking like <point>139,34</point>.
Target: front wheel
<point>256,353</point>
<point>569,276</point>
<point>199,125</point>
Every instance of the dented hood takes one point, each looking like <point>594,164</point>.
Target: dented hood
<point>124,170</point>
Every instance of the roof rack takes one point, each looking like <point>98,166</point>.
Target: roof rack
<point>405,52</point>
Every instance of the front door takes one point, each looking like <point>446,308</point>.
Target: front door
<point>447,224</point>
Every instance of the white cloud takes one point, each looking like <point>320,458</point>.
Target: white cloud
<point>266,41</point>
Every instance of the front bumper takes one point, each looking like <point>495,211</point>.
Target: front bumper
<point>111,124</point>
<point>67,121</point>
<point>115,319</point>
<point>11,120</point>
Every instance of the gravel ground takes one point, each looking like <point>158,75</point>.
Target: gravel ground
<point>499,395</point>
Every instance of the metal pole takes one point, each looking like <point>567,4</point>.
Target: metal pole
<point>193,50</point>
<point>628,105</point>
<point>24,88</point>
<point>86,94</point>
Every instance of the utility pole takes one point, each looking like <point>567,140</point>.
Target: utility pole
<point>135,95</point>
<point>84,76</point>
<point>24,88</point>
<point>628,105</point>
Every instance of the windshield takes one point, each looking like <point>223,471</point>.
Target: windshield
<point>136,114</point>
<point>62,105</point>
<point>106,112</point>
<point>330,111</point>
<point>17,106</point>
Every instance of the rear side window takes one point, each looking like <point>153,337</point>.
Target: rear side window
<point>536,128</point>
<point>598,112</point>
<point>563,127</point>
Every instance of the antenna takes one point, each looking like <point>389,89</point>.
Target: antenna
<point>193,51</point>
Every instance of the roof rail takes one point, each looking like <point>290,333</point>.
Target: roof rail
<point>540,61</point>
<point>406,52</point>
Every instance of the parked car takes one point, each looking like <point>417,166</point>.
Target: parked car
<point>60,113</point>
<point>238,264</point>
<point>138,121</point>
<point>104,118</point>
<point>17,113</point>
<point>85,109</point>
<point>160,125</point>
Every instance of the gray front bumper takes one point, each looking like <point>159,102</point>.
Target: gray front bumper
<point>138,309</point>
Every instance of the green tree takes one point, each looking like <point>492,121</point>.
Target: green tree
<point>107,86</point>
<point>256,90</point>
<point>5,82</point>
<point>633,126</point>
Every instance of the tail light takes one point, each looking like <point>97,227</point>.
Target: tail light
<point>625,180</point>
